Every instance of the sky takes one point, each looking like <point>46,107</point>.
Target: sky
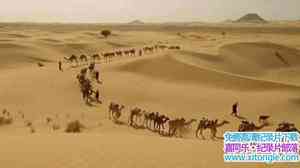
<point>93,11</point>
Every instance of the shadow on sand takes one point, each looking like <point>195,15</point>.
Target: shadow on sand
<point>119,122</point>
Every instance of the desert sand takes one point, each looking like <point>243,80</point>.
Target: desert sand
<point>203,79</point>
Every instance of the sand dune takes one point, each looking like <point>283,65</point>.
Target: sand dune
<point>165,67</point>
<point>14,55</point>
<point>264,55</point>
<point>192,83</point>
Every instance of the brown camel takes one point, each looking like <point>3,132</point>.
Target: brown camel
<point>127,52</point>
<point>108,56</point>
<point>132,52</point>
<point>180,125</point>
<point>148,49</point>
<point>174,47</point>
<point>119,53</point>
<point>173,126</point>
<point>86,90</point>
<point>71,59</point>
<point>83,58</point>
<point>246,126</point>
<point>95,57</point>
<point>115,110</point>
<point>160,123</point>
<point>263,119</point>
<point>214,126</point>
<point>135,113</point>
<point>209,124</point>
<point>203,123</point>
<point>162,47</point>
<point>286,127</point>
<point>148,118</point>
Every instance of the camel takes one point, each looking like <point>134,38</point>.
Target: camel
<point>213,127</point>
<point>95,57</point>
<point>201,126</point>
<point>83,58</point>
<point>127,52</point>
<point>174,47</point>
<point>148,118</point>
<point>209,124</point>
<point>162,47</point>
<point>246,126</point>
<point>286,127</point>
<point>137,113</point>
<point>160,122</point>
<point>108,56</point>
<point>263,119</point>
<point>86,90</point>
<point>115,110</point>
<point>172,126</point>
<point>148,49</point>
<point>188,124</point>
<point>132,52</point>
<point>179,124</point>
<point>71,59</point>
<point>119,53</point>
<point>155,117</point>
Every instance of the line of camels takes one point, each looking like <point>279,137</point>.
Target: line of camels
<point>108,56</point>
<point>157,122</point>
<point>154,120</point>
<point>85,83</point>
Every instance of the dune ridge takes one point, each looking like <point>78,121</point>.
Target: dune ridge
<point>203,79</point>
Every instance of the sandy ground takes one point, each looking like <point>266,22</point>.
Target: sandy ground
<point>203,79</point>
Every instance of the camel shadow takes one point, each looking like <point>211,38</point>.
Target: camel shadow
<point>165,134</point>
<point>152,130</point>
<point>219,138</point>
<point>90,104</point>
<point>119,122</point>
<point>138,127</point>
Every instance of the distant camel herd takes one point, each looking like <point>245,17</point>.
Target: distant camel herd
<point>157,122</point>
<point>108,56</point>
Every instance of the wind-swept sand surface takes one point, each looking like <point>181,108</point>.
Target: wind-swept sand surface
<point>257,66</point>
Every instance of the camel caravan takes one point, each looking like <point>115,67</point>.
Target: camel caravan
<point>165,126</point>
<point>153,121</point>
<point>129,52</point>
<point>89,77</point>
